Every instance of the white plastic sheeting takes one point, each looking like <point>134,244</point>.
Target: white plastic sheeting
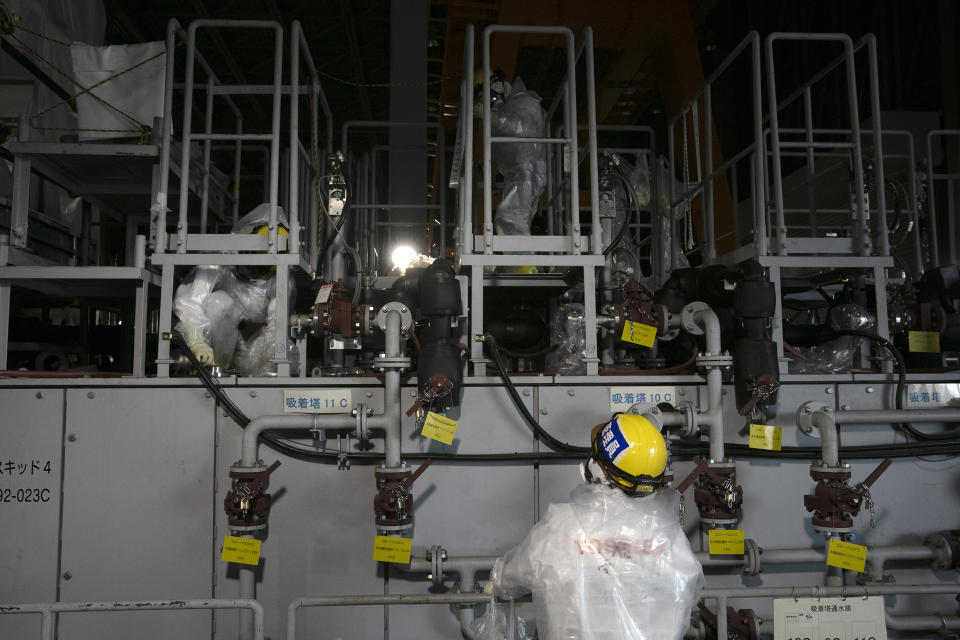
<point>138,92</point>
<point>603,566</point>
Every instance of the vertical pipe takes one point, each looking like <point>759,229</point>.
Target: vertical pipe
<point>913,204</point>
<point>722,617</point>
<point>237,153</point>
<point>313,226</point>
<point>595,240</point>
<point>442,187</point>
<point>46,624</point>
<point>487,155</point>
<point>185,149</point>
<point>160,207</point>
<point>951,222</point>
<point>248,591</point>
<point>391,391</point>
<point>671,152</point>
<point>709,230</point>
<point>275,144</point>
<point>205,185</point>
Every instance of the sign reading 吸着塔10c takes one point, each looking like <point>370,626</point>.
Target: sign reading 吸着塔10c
<point>317,401</point>
<point>622,398</point>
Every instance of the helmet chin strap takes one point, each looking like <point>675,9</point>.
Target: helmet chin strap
<point>592,473</point>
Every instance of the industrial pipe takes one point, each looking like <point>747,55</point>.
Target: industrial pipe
<point>712,416</point>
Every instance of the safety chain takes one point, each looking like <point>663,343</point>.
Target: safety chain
<point>13,23</point>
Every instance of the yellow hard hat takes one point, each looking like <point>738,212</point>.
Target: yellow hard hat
<point>632,453</point>
<point>265,230</point>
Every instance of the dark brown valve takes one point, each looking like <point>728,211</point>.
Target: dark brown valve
<point>741,625</point>
<point>717,494</point>
<point>834,501</point>
<point>393,504</point>
<point>762,388</point>
<point>437,386</point>
<point>247,504</point>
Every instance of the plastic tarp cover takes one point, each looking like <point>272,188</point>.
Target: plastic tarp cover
<point>138,92</point>
<point>523,164</point>
<point>838,355</point>
<point>605,565</point>
<point>569,335</point>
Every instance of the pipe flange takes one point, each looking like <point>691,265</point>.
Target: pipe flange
<point>437,555</point>
<point>752,564</point>
<point>239,530</point>
<point>711,360</point>
<point>399,362</point>
<point>406,317</point>
<point>686,317</point>
<point>946,547</point>
<point>690,413</point>
<point>650,411</point>
<point>806,412</point>
<point>361,413</point>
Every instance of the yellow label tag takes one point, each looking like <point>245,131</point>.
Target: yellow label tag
<point>241,550</point>
<point>392,549</point>
<point>763,436</point>
<point>439,428</point>
<point>641,334</point>
<point>644,488</point>
<point>923,341</point>
<point>846,555</point>
<point>725,542</point>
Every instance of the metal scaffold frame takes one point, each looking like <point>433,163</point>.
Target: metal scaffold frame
<point>303,173</point>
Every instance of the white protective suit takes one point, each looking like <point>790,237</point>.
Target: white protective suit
<point>523,164</point>
<point>605,566</point>
<point>227,315</point>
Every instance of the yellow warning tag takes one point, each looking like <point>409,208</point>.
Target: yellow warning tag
<point>644,488</point>
<point>392,549</point>
<point>923,341</point>
<point>641,334</point>
<point>439,428</point>
<point>725,542</point>
<point>846,555</point>
<point>241,550</point>
<point>765,437</point>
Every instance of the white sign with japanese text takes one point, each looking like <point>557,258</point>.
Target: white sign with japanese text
<point>850,618</point>
<point>317,401</point>
<point>931,395</point>
<point>622,398</point>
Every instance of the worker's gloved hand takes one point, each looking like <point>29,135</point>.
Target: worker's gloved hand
<point>203,351</point>
<point>488,588</point>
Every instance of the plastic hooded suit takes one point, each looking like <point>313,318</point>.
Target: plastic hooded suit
<point>605,566</point>
<point>523,164</point>
<point>227,315</point>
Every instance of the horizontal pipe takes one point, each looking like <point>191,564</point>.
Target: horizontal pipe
<point>897,415</point>
<point>231,136</point>
<point>251,434</point>
<point>495,139</point>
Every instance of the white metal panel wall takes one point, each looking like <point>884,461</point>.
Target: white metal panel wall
<point>138,509</point>
<point>31,435</point>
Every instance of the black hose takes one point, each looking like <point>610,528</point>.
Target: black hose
<point>553,443</point>
<point>901,385</point>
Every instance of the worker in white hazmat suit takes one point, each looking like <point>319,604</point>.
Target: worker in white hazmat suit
<point>613,563</point>
<point>227,314</point>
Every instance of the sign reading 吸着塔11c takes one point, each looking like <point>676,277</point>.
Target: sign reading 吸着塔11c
<point>850,618</point>
<point>622,398</point>
<point>317,401</point>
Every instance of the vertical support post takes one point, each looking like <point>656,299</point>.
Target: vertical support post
<point>596,245</point>
<point>293,197</point>
<point>476,320</point>
<point>158,217</point>
<point>674,259</point>
<point>4,302</point>
<point>205,185</point>
<point>759,166</point>
<point>140,328</point>
<point>709,241</point>
<point>272,243</point>
<point>185,149</point>
<point>166,320</point>
<point>934,257</point>
<point>20,196</point>
<point>237,153</point>
<point>863,212</point>
<point>282,319</point>
<point>590,319</point>
<point>441,161</point>
<point>776,324</point>
<point>487,152</point>
<point>467,194</point>
<point>811,167</point>
<point>777,178</point>
<point>882,238</point>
